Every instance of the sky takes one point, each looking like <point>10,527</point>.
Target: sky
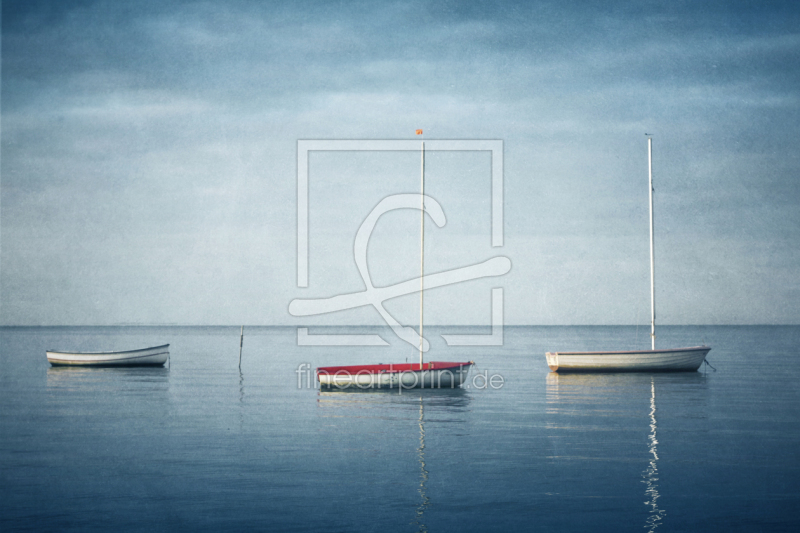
<point>149,163</point>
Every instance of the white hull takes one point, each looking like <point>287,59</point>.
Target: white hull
<point>451,377</point>
<point>676,360</point>
<point>155,356</point>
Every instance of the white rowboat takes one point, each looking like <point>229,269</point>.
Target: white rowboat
<point>155,356</point>
<point>675,360</point>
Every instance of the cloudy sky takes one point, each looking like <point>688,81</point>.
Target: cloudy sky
<point>149,158</point>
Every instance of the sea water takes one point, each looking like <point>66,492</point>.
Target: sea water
<point>205,445</point>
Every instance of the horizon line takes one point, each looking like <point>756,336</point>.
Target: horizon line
<point>123,325</point>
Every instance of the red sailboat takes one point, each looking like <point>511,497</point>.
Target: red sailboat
<point>434,374</point>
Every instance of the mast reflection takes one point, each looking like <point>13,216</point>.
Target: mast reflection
<point>590,394</point>
<point>655,515</point>
<point>385,407</point>
<point>423,473</point>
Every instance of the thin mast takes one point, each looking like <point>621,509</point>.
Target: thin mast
<point>652,248</point>
<point>422,254</point>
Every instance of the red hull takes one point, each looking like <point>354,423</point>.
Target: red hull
<point>436,374</point>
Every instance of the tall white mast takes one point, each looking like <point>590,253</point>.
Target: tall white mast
<point>422,255</point>
<point>652,249</point>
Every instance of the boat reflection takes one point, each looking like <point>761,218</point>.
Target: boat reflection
<point>443,406</point>
<point>76,378</point>
<point>597,395</point>
<point>447,400</point>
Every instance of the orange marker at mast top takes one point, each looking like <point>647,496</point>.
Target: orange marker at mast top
<point>419,132</point>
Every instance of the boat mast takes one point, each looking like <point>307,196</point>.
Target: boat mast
<point>422,254</point>
<point>652,249</point>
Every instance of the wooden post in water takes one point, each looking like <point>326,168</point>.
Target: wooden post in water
<point>241,342</point>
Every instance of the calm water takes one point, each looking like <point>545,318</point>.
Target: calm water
<point>203,446</point>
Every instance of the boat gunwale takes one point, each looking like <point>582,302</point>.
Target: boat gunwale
<point>631,352</point>
<point>391,368</point>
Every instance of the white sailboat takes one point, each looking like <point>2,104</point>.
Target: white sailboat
<point>670,360</point>
<point>435,374</point>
